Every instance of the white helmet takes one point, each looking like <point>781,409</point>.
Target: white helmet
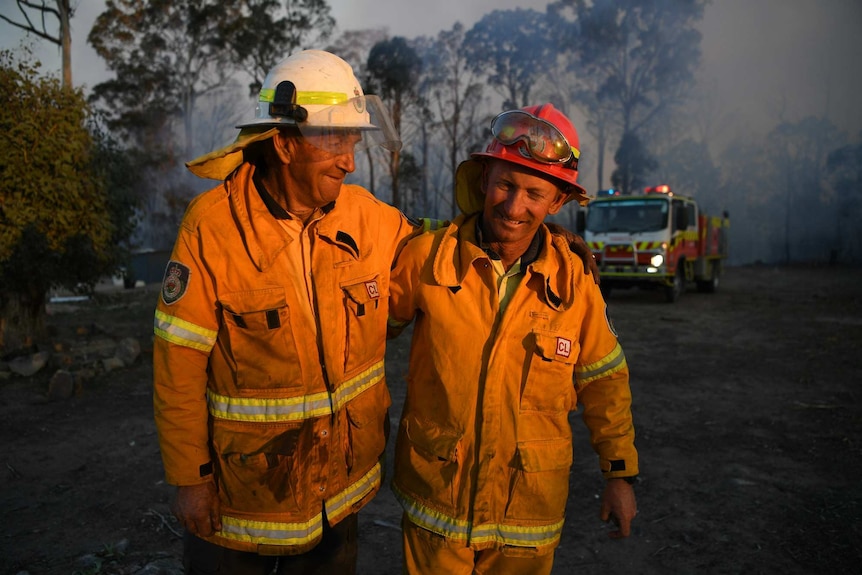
<point>317,92</point>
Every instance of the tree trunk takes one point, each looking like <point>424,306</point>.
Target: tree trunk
<point>22,321</point>
<point>395,158</point>
<point>66,39</point>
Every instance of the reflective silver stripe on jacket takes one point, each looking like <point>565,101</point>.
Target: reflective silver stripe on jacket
<point>293,408</point>
<point>301,532</point>
<point>611,363</point>
<point>182,332</point>
<point>467,532</point>
<point>342,503</point>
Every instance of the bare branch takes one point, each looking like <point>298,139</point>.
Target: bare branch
<point>30,26</point>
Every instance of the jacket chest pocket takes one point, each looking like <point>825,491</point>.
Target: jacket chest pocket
<point>258,340</point>
<point>549,373</point>
<point>366,308</point>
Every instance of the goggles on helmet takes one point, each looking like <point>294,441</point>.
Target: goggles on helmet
<point>544,141</point>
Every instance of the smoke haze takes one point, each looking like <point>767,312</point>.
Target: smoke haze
<point>764,62</point>
<point>766,59</point>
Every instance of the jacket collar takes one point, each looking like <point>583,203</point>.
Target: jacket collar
<point>457,247</point>
<point>257,215</point>
<point>527,257</point>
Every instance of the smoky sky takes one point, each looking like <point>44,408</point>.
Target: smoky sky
<point>774,60</point>
<point>764,61</point>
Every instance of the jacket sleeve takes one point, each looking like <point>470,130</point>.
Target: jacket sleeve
<point>402,285</point>
<point>185,330</point>
<point>602,383</point>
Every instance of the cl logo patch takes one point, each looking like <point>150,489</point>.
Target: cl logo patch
<point>564,347</point>
<point>371,287</point>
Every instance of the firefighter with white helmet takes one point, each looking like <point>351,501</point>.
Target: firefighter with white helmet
<point>269,390</point>
<point>316,93</point>
<point>510,337</point>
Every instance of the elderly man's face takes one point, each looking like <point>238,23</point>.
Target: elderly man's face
<point>517,201</point>
<point>317,173</point>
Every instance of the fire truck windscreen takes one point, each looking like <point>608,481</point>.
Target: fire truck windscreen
<point>632,216</point>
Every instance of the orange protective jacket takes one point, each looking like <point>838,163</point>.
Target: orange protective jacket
<point>484,446</point>
<point>280,401</point>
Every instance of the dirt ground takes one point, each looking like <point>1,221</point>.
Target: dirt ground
<point>747,407</point>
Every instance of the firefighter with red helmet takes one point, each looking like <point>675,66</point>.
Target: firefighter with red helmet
<point>510,336</point>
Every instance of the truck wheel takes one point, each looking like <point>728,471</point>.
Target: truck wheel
<point>673,291</point>
<point>710,285</point>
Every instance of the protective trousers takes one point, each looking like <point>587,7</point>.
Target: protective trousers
<point>336,554</point>
<point>426,553</point>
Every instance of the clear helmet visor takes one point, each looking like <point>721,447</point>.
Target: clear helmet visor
<point>355,125</point>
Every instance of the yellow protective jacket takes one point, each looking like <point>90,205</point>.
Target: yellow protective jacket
<point>484,445</point>
<point>283,407</point>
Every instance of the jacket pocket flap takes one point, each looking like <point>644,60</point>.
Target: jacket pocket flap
<point>432,439</point>
<point>369,406</point>
<point>365,291</point>
<point>545,455</point>
<point>278,440</point>
<point>556,347</point>
<point>253,300</point>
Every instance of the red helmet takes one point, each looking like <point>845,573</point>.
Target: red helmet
<point>538,137</point>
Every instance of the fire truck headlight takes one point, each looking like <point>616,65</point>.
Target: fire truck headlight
<point>657,260</point>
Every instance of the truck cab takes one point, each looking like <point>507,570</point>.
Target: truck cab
<point>649,240</point>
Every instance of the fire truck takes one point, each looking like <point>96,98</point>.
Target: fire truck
<point>654,240</point>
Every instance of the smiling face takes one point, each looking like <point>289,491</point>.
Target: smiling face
<point>313,176</point>
<point>517,201</point>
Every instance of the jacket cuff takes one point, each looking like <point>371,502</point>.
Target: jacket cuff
<point>613,468</point>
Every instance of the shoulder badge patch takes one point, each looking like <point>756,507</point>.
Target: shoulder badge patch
<point>175,282</point>
<point>610,323</point>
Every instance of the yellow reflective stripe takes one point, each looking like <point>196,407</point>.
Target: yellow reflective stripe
<point>308,98</point>
<point>522,536</point>
<point>611,363</point>
<point>431,519</point>
<point>261,409</point>
<point>357,384</point>
<point>336,506</point>
<point>271,532</point>
<point>648,245</point>
<point>182,332</point>
<point>298,533</point>
<point>430,224</point>
<point>640,246</point>
<point>459,529</point>
<point>268,410</point>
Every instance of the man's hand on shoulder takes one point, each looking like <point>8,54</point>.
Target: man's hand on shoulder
<point>579,247</point>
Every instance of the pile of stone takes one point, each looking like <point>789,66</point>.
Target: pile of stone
<point>74,363</point>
